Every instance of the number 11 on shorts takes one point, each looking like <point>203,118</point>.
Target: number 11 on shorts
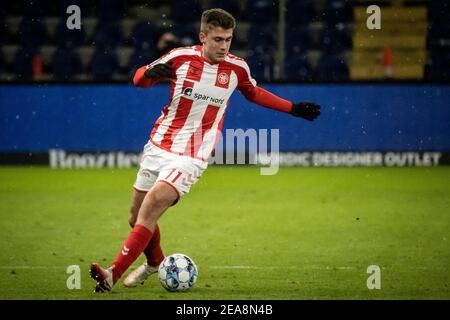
<point>174,172</point>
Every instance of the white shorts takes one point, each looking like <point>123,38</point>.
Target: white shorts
<point>180,172</point>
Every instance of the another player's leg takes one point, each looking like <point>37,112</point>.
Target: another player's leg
<point>155,203</point>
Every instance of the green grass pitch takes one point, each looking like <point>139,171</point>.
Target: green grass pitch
<point>304,233</point>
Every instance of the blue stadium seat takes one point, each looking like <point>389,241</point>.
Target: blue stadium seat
<point>439,35</point>
<point>5,36</point>
<point>108,34</point>
<point>104,64</point>
<point>438,67</point>
<point>144,34</point>
<point>261,12</point>
<point>298,39</point>
<point>66,64</point>
<point>69,38</point>
<point>140,58</point>
<point>338,11</point>
<point>261,38</point>
<point>85,6</point>
<point>336,38</point>
<point>32,33</point>
<point>11,8</point>
<point>261,65</point>
<point>112,10</point>
<point>186,11</point>
<point>297,67</point>
<point>2,62</point>
<point>38,9</point>
<point>437,72</point>
<point>186,33</point>
<point>439,56</point>
<point>231,6</point>
<point>300,12</point>
<point>439,11</point>
<point>332,67</point>
<point>22,66</point>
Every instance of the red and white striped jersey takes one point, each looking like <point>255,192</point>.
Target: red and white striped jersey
<point>191,122</point>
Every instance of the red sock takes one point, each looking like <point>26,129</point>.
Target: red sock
<point>153,251</point>
<point>136,242</point>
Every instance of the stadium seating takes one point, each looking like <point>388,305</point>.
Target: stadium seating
<point>23,65</point>
<point>186,11</point>
<point>32,33</point>
<point>112,10</point>
<point>438,66</point>
<point>403,32</point>
<point>261,12</point>
<point>139,58</point>
<point>327,28</point>
<point>66,64</point>
<point>36,10</point>
<point>333,67</point>
<point>298,40</point>
<point>338,11</point>
<point>104,64</point>
<point>261,38</point>
<point>86,6</point>
<point>261,65</point>
<point>143,35</point>
<point>2,62</point>
<point>108,34</point>
<point>9,8</point>
<point>187,33</point>
<point>300,13</point>
<point>298,67</point>
<point>336,39</point>
<point>69,38</point>
<point>231,6</point>
<point>439,11</point>
<point>4,32</point>
<point>439,35</point>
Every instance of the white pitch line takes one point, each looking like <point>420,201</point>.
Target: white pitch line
<point>206,267</point>
<point>278,267</point>
<point>234,267</point>
<point>31,267</point>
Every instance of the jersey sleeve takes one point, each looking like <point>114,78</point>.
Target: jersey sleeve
<point>247,86</point>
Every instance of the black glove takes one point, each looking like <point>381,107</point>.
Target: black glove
<point>306,110</point>
<point>162,70</point>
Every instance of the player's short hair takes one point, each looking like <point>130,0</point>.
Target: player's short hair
<point>216,18</point>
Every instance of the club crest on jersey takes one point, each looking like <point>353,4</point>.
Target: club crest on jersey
<point>187,91</point>
<point>223,78</point>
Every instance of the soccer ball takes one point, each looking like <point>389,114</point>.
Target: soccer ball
<point>177,272</point>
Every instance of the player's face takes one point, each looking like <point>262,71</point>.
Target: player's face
<point>216,43</point>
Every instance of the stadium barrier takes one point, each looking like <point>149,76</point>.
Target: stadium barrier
<point>104,125</point>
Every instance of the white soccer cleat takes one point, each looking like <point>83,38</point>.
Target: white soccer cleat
<point>139,275</point>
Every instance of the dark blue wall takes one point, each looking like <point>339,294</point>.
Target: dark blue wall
<point>355,117</point>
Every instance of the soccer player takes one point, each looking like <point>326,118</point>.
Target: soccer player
<point>203,77</point>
